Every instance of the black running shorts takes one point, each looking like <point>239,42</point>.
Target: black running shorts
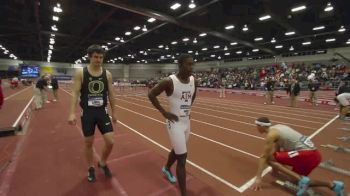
<point>91,117</point>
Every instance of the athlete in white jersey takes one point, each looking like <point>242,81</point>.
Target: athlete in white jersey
<point>181,91</point>
<point>285,146</point>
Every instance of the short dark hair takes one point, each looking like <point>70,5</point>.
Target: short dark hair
<point>263,120</point>
<point>95,48</point>
<point>182,58</point>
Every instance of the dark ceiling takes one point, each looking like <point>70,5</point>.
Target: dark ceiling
<point>26,28</point>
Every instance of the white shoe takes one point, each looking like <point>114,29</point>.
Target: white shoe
<point>265,103</point>
<point>54,100</point>
<point>48,101</point>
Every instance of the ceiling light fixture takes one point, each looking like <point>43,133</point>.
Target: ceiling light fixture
<point>289,33</point>
<point>175,6</point>
<point>192,5</point>
<point>229,27</point>
<point>150,20</point>
<point>328,8</point>
<point>341,29</point>
<point>262,18</point>
<point>245,28</point>
<point>297,9</point>
<point>318,28</point>
<point>273,40</point>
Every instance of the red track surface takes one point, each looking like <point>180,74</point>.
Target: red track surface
<point>224,142</point>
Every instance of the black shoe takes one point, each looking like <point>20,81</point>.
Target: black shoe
<point>91,175</point>
<point>106,170</point>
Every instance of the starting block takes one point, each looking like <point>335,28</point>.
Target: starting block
<point>330,165</point>
<point>337,148</point>
<point>344,139</point>
<point>294,188</point>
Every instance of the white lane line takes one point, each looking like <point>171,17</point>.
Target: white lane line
<point>9,97</point>
<point>22,113</point>
<point>252,117</point>
<point>188,161</point>
<point>249,108</point>
<point>217,126</point>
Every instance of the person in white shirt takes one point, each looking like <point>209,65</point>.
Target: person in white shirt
<point>181,91</point>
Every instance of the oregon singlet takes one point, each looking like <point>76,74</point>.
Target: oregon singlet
<point>292,140</point>
<point>181,99</point>
<point>93,93</point>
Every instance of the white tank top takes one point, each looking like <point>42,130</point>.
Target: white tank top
<point>291,140</point>
<point>181,99</point>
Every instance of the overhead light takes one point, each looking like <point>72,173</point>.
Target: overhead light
<point>330,40</point>
<point>255,50</point>
<point>290,33</point>
<point>328,8</point>
<point>117,38</point>
<point>192,5</point>
<point>318,28</point>
<point>190,51</point>
<point>279,46</point>
<point>219,57</point>
<point>160,46</point>
<point>166,48</point>
<point>348,42</point>
<point>225,48</point>
<point>245,28</point>
<point>239,52</point>
<point>227,53</point>
<point>262,18</point>
<point>216,46</point>
<point>52,41</point>
<point>233,43</point>
<point>204,49</point>
<point>229,27</point>
<point>258,39</point>
<point>54,28</point>
<point>273,40</point>
<point>175,6</point>
<point>128,33</point>
<point>150,20</point>
<point>195,40</point>
<point>50,51</point>
<point>55,18</point>
<point>158,59</point>
<point>51,47</point>
<point>297,9</point>
<point>306,43</point>
<point>57,9</point>
<point>144,28</point>
<point>213,55</point>
<point>196,53</point>
<point>174,42</point>
<point>202,34</point>
<point>136,28</point>
<point>341,29</point>
<point>185,39</point>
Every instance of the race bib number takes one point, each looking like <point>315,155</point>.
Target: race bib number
<point>95,101</point>
<point>185,110</point>
<point>307,142</point>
